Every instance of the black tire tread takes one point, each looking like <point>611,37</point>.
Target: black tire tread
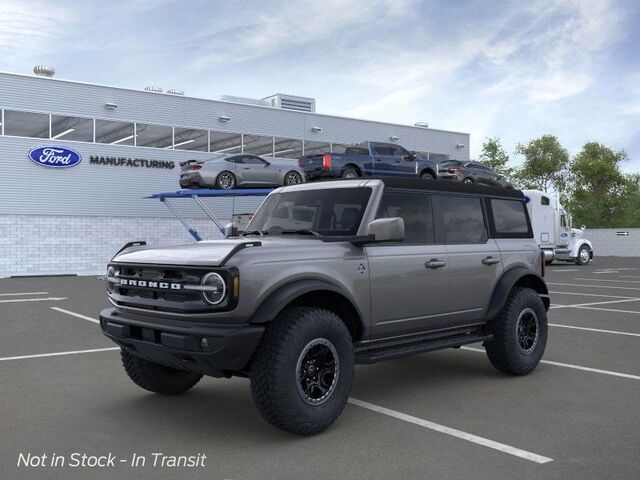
<point>501,351</point>
<point>271,400</point>
<point>157,378</point>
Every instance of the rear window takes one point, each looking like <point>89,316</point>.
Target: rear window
<point>415,211</point>
<point>356,151</point>
<point>509,217</point>
<point>463,219</point>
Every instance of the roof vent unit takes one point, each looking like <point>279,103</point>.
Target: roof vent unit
<point>243,100</point>
<point>175,91</point>
<point>44,71</point>
<point>153,88</point>
<point>292,102</point>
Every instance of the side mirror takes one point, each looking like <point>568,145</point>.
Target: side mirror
<point>230,230</point>
<point>387,229</point>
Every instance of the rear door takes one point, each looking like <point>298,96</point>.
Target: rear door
<point>383,160</point>
<point>409,279</point>
<point>475,264</point>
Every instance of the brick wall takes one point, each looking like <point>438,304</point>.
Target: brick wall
<point>51,245</point>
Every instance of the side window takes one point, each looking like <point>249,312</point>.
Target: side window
<point>463,219</point>
<point>381,150</point>
<point>414,209</point>
<point>509,216</point>
<point>397,152</point>
<point>234,160</point>
<point>251,160</point>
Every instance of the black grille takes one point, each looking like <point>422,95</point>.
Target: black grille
<point>154,298</point>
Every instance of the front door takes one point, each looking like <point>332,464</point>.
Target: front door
<point>410,279</point>
<point>475,262</point>
<point>256,171</point>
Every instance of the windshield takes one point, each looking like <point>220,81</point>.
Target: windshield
<point>326,212</point>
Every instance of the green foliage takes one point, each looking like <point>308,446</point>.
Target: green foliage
<point>601,195</point>
<point>495,157</point>
<point>545,164</point>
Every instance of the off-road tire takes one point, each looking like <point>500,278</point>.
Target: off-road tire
<point>224,186</point>
<point>274,370</point>
<point>428,176</point>
<point>503,349</point>
<point>579,260</point>
<point>350,173</point>
<point>157,378</point>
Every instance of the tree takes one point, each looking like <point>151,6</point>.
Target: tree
<point>545,164</point>
<point>602,196</point>
<point>495,157</point>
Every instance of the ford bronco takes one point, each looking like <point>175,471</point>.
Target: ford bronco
<point>326,276</point>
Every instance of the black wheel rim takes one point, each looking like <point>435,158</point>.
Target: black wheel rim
<point>527,330</point>
<point>293,178</point>
<point>317,371</point>
<point>226,181</point>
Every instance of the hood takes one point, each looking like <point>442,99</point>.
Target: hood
<point>209,252</point>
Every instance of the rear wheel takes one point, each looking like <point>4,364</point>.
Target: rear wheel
<point>584,255</point>
<point>292,178</point>
<point>225,180</point>
<point>468,180</point>
<point>519,333</point>
<point>350,173</point>
<point>302,371</point>
<point>157,378</point>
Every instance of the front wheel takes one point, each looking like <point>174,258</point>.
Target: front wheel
<point>157,378</point>
<point>584,255</point>
<point>292,178</point>
<point>519,333</point>
<point>302,371</point>
<point>428,176</point>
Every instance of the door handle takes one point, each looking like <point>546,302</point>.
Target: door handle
<point>434,263</point>
<point>490,260</point>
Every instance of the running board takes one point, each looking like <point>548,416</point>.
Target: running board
<point>397,351</point>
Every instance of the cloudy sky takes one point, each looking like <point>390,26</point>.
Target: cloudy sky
<point>510,69</point>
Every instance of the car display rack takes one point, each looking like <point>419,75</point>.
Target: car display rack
<point>196,195</point>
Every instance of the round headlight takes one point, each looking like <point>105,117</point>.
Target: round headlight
<point>111,273</point>
<point>217,288</point>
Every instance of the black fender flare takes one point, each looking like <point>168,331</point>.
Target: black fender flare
<point>430,171</point>
<point>506,283</point>
<point>281,297</point>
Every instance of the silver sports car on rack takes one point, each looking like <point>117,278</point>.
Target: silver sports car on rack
<point>240,170</point>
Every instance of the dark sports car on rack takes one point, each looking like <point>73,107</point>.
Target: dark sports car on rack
<point>471,172</point>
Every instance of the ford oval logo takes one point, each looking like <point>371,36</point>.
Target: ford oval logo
<point>55,157</point>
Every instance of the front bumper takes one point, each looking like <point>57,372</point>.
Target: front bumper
<point>227,348</point>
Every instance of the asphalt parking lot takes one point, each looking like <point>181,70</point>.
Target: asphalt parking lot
<point>446,414</point>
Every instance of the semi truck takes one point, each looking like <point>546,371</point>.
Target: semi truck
<point>552,229</point>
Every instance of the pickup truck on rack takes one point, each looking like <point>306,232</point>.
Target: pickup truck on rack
<point>328,275</point>
<point>368,159</point>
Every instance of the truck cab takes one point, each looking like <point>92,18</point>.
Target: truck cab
<point>552,229</point>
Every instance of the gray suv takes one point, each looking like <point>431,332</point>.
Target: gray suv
<point>326,276</point>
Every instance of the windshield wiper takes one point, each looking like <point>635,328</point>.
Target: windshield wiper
<point>301,231</point>
<point>255,232</point>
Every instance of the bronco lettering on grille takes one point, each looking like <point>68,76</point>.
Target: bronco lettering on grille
<point>149,284</point>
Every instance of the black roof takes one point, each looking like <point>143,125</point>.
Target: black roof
<point>449,186</point>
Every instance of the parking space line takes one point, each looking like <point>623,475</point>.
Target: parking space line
<point>74,314</point>
<point>561,270</point>
<point>452,431</point>
<point>590,295</point>
<point>23,293</point>
<point>593,286</point>
<point>56,354</point>
<point>629,276</point>
<point>577,305</point>
<point>46,299</point>
<point>607,280</point>
<point>609,310</point>
<point>598,330</point>
<point>569,365</point>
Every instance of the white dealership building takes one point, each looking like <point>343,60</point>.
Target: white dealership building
<point>127,144</point>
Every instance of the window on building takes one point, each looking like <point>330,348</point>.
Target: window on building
<point>544,200</point>
<point>26,124</point>
<point>258,145</point>
<point>287,148</point>
<point>509,216</point>
<point>414,209</point>
<point>316,148</point>
<point>158,136</point>
<point>437,157</point>
<point>339,147</point>
<point>463,219</point>
<point>71,128</point>
<point>224,142</point>
<point>190,139</point>
<point>114,133</point>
